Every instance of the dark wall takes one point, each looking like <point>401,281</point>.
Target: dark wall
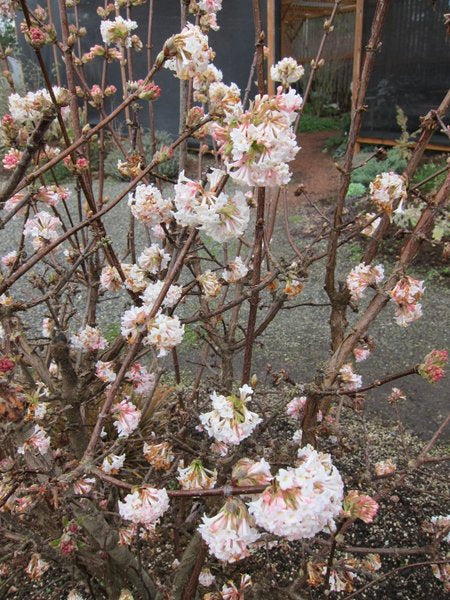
<point>412,70</point>
<point>233,44</point>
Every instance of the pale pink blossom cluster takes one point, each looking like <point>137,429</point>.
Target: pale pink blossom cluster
<point>232,592</point>
<point>112,463</point>
<point>127,417</point>
<point>144,506</point>
<point>230,421</point>
<point>165,333</point>
<point>432,368</point>
<point>84,485</point>
<point>202,82</point>
<point>287,71</point>
<point>110,279</point>
<point>386,190</point>
<point>135,278</point>
<point>361,277</point>
<point>153,259</point>
<point>88,339</point>
<point>235,271</point>
<point>296,407</point>
<point>148,205</point>
<point>406,294</point>
<point>303,500</point>
<point>37,439</point>
<point>105,371</point>
<point>42,229</point>
<point>196,476</point>
<point>230,532</point>
<point>360,506</point>
<point>29,109</point>
<point>9,259</point>
<point>188,52</point>
<point>52,195</point>
<point>223,217</point>
<point>350,380</point>
<point>361,352</point>
<point>257,144</point>
<point>143,381</point>
<point>206,578</point>
<point>118,31</point>
<point>153,290</point>
<point>251,472</point>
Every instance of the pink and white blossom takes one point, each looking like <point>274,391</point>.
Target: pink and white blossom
<point>251,472</point>
<point>350,380</point>
<point>88,339</point>
<point>303,500</point>
<point>235,271</point>
<point>148,205</point>
<point>118,31</point>
<point>42,229</point>
<point>196,476</point>
<point>105,371</point>
<point>127,417</point>
<point>142,381</point>
<point>287,71</point>
<point>296,406</point>
<point>165,333</point>
<point>386,190</point>
<point>230,532</point>
<point>361,277</point>
<point>230,421</point>
<point>112,463</point>
<point>144,506</point>
<point>153,259</point>
<point>37,440</point>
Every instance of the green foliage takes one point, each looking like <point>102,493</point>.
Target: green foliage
<point>394,162</point>
<point>356,252</point>
<point>190,337</point>
<point>426,170</point>
<point>112,332</point>
<point>356,190</point>
<point>167,169</point>
<point>309,123</point>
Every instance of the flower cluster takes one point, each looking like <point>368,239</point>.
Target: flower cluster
<point>88,339</point>
<point>41,229</point>
<point>406,294</point>
<point>360,506</point>
<point>230,421</point>
<point>30,108</point>
<point>144,506</point>
<point>222,217</point>
<point>118,31</point>
<point>350,380</point>
<point>361,277</point>
<point>386,190</point>
<point>251,472</point>
<point>112,463</point>
<point>235,271</point>
<point>36,567</point>
<point>188,52</point>
<point>37,439</point>
<point>257,144</point>
<point>432,368</point>
<point>303,500</point>
<point>196,476</point>
<point>287,71</point>
<point>384,467</point>
<point>127,418</point>
<point>153,259</point>
<point>159,456</point>
<point>296,407</point>
<point>229,533</point>
<point>148,205</point>
<point>142,381</point>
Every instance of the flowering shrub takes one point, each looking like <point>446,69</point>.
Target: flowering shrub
<point>106,448</point>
